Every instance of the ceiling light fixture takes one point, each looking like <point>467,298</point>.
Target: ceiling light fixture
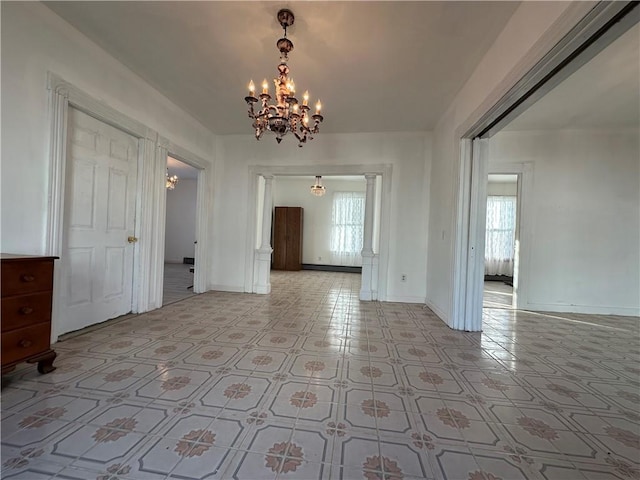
<point>286,115</point>
<point>317,188</point>
<point>171,180</point>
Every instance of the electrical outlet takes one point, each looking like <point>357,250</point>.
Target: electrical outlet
<point>403,278</point>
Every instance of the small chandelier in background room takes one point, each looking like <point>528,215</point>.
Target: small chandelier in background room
<point>317,188</point>
<point>286,115</point>
<point>171,180</point>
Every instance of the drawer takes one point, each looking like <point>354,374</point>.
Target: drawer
<point>24,310</point>
<point>26,277</point>
<point>25,342</point>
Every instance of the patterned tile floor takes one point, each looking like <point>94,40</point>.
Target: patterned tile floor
<point>497,295</point>
<point>177,279</point>
<point>310,383</point>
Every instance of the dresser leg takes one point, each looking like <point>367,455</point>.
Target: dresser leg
<point>45,361</point>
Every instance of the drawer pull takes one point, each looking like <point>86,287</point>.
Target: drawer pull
<point>26,310</point>
<point>27,278</point>
<point>24,343</point>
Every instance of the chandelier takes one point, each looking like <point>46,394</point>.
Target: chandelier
<point>286,115</point>
<point>317,188</point>
<point>171,181</point>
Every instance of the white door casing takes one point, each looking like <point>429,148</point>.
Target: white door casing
<point>100,205</point>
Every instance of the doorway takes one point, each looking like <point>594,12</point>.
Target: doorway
<point>180,230</point>
<point>333,223</point>
<point>147,192</point>
<point>579,131</point>
<point>501,237</point>
<point>375,256</point>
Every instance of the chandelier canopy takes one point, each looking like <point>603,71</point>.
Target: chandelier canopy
<point>286,114</point>
<point>317,188</point>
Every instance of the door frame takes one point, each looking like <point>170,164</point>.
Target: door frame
<point>524,219</point>
<point>150,194</point>
<point>383,170</point>
<point>169,149</point>
<point>594,27</point>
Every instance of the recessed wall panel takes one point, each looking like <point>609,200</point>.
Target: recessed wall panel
<point>114,276</point>
<point>117,203</point>
<point>83,183</point>
<point>118,150</point>
<point>84,138</point>
<point>79,279</point>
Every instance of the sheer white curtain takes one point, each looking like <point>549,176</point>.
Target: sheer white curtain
<point>501,235</point>
<point>347,228</point>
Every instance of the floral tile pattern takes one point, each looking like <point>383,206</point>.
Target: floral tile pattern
<point>310,383</point>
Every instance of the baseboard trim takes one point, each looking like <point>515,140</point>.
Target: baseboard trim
<point>331,268</point>
<point>404,299</point>
<point>437,310</point>
<point>499,278</point>
<point>585,309</point>
<point>227,288</point>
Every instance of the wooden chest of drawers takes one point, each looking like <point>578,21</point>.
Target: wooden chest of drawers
<point>27,289</point>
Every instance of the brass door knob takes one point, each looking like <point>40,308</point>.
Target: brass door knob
<point>132,239</point>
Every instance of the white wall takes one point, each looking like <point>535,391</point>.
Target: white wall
<point>409,155</point>
<point>532,30</point>
<point>35,41</point>
<point>583,249</point>
<point>180,232</point>
<point>316,231</point>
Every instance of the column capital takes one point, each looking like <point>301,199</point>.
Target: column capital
<point>370,176</point>
<point>267,177</point>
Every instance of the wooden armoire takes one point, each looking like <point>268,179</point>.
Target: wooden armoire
<point>287,238</point>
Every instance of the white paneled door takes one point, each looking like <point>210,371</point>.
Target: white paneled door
<point>100,206</point>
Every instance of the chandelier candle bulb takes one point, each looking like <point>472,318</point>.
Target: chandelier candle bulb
<point>318,107</point>
<point>305,98</point>
<point>252,89</point>
<point>265,86</point>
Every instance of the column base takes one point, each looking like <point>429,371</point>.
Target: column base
<point>369,285</point>
<point>262,272</point>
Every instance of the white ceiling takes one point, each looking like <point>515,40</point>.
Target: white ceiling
<point>376,66</point>
<point>604,93</point>
<point>181,169</point>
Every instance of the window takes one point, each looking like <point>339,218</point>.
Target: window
<point>347,228</point>
<point>500,236</point>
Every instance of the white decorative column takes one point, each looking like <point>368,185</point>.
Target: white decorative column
<point>263,254</point>
<point>149,260</point>
<point>368,289</point>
